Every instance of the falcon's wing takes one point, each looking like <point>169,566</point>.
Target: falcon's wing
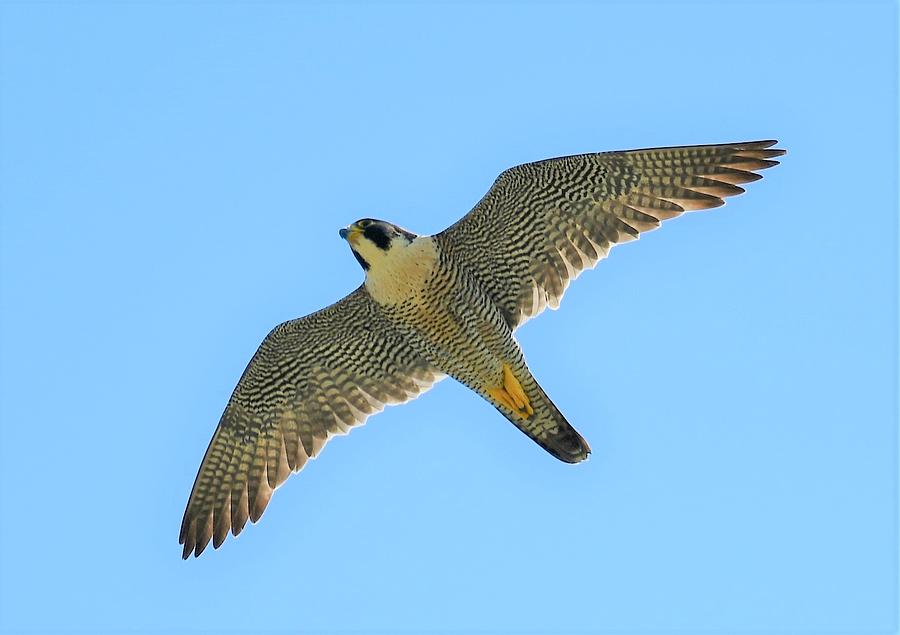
<point>543,223</point>
<point>311,378</point>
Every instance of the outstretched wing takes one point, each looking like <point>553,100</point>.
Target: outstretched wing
<point>541,224</point>
<point>311,378</point>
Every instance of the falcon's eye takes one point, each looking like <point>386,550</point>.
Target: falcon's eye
<point>364,223</point>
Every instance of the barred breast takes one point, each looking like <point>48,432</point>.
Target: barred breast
<point>445,314</point>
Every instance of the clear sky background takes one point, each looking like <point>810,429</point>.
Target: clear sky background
<point>173,179</point>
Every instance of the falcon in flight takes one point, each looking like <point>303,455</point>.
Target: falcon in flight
<point>447,304</point>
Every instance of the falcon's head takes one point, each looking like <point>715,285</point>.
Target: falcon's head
<point>374,241</point>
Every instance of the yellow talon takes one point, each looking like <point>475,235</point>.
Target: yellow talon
<point>514,388</point>
<point>511,395</point>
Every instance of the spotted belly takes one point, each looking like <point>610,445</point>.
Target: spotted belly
<point>455,325</point>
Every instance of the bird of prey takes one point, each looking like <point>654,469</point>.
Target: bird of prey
<point>446,304</point>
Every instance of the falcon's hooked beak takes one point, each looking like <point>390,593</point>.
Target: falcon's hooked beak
<point>349,233</point>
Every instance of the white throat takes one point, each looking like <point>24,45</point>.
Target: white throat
<point>402,272</point>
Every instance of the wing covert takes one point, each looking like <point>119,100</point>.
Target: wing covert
<point>312,378</point>
<point>541,224</point>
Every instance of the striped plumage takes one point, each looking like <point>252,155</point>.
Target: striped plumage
<point>311,379</point>
<point>446,305</point>
<point>545,222</point>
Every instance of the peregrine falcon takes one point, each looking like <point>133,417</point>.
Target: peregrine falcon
<point>446,304</point>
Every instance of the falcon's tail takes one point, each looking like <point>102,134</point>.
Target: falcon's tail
<point>529,408</point>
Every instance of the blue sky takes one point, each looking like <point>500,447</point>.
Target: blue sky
<point>173,177</point>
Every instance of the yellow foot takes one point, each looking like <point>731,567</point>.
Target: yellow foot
<point>511,395</point>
